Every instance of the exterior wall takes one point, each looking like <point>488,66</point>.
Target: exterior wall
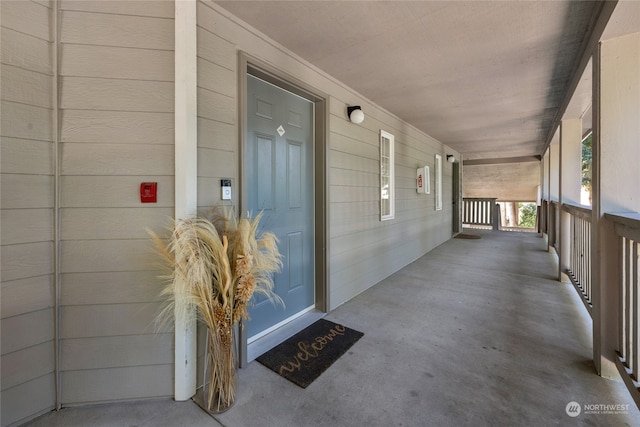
<point>116,99</point>
<point>362,250</point>
<point>114,130</point>
<point>27,200</point>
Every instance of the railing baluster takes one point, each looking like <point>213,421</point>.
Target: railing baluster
<point>477,211</point>
<point>579,268</point>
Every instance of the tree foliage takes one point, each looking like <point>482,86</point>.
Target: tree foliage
<point>528,215</point>
<point>586,162</point>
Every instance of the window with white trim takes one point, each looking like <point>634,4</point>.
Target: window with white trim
<point>387,202</point>
<point>438,179</point>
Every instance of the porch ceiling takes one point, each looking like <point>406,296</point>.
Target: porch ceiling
<point>487,79</point>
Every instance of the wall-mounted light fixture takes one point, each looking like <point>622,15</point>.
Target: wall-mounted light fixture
<point>450,158</point>
<point>355,114</point>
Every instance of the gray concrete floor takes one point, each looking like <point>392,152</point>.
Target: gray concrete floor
<point>475,333</point>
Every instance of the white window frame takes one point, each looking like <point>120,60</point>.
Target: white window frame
<point>387,177</point>
<point>438,178</point>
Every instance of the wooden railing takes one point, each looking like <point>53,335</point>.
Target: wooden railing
<point>477,211</point>
<point>627,227</point>
<point>579,261</point>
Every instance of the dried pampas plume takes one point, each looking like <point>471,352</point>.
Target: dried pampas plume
<point>216,264</point>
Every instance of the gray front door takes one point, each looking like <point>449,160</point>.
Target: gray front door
<point>279,173</point>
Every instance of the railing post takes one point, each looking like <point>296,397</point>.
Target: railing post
<point>565,243</point>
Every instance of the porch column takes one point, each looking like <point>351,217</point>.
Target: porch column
<point>616,182</point>
<point>570,183</point>
<point>554,189</point>
<point>544,179</point>
<point>186,181</point>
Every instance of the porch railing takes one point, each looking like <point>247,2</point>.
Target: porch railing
<point>476,211</point>
<point>579,261</point>
<point>627,227</point>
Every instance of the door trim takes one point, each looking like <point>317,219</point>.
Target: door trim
<point>248,64</point>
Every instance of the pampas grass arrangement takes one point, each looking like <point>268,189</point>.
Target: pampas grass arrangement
<point>216,265</point>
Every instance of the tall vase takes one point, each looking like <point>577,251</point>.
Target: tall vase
<point>220,390</point>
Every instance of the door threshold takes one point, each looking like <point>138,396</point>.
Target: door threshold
<point>260,345</point>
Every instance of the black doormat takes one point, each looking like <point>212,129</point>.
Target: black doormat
<point>303,357</point>
<point>467,236</point>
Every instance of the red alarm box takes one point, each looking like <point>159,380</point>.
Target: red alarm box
<point>149,192</point>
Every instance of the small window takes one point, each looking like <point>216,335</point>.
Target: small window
<point>438,179</point>
<point>387,208</point>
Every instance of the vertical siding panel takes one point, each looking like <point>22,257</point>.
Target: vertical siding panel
<point>117,127</point>
<point>27,200</point>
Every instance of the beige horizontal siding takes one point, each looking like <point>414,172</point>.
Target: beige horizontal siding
<point>117,62</point>
<point>24,156</point>
<point>119,287</point>
<point>26,191</point>
<point>26,295</point>
<point>117,131</point>
<point>134,382</point>
<point>123,191</point>
<point>27,201</point>
<point>28,400</point>
<point>21,261</point>
<point>117,127</point>
<point>152,8</point>
<point>26,365</point>
<point>82,93</point>
<point>108,320</point>
<point>26,226</point>
<point>216,135</point>
<point>26,86</point>
<point>112,223</point>
<point>81,256</point>
<point>116,159</point>
<point>27,17</point>
<point>215,106</point>
<point>26,121</point>
<point>105,29</point>
<point>117,351</point>
<point>26,330</point>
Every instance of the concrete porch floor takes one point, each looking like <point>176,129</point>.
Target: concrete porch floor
<point>475,333</point>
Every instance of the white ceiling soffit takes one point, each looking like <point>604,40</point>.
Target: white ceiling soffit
<point>489,79</point>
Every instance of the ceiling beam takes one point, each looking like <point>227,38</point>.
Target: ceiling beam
<point>501,160</point>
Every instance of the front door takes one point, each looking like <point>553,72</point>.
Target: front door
<point>279,173</point>
<point>456,197</point>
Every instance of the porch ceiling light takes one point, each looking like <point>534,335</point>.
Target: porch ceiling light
<point>450,158</point>
<point>355,114</point>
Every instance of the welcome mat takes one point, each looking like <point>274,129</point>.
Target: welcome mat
<point>303,357</point>
<point>467,236</point>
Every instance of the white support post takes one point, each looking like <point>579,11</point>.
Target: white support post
<point>570,183</point>
<point>616,107</point>
<point>186,181</point>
